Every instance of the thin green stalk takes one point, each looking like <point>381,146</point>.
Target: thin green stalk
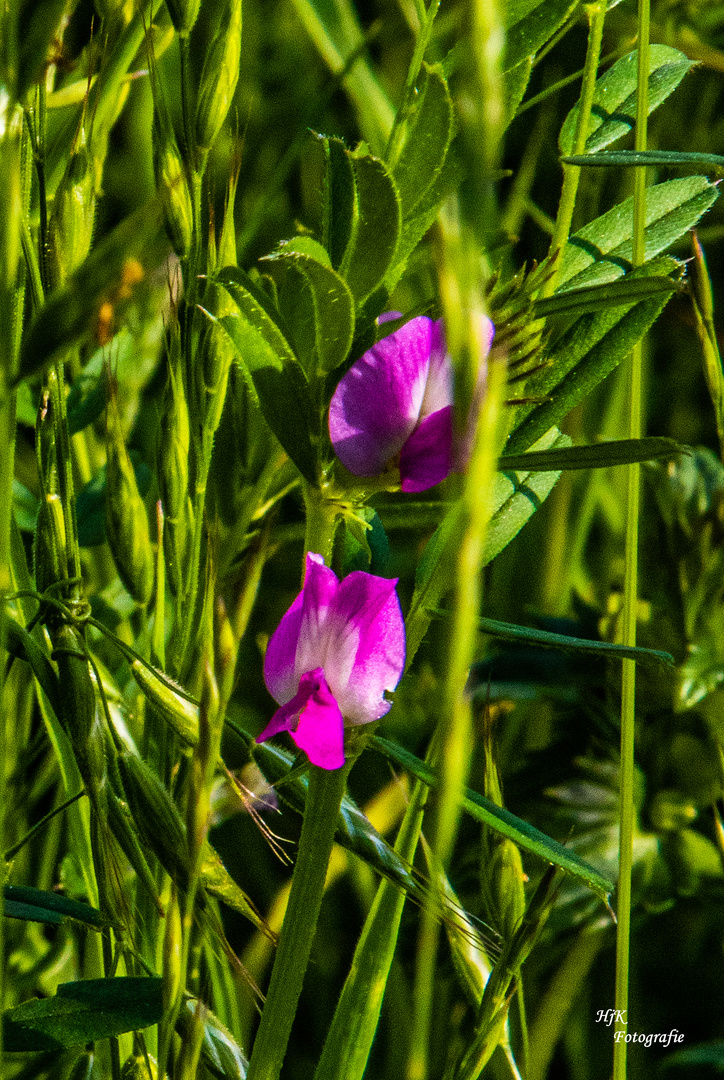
<point>349,1039</point>
<point>326,789</point>
<point>571,173</point>
<point>628,689</point>
<point>394,143</point>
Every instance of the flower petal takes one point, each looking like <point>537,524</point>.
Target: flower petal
<point>320,589</point>
<point>427,456</point>
<point>439,386</point>
<point>377,403</point>
<point>299,642</point>
<point>320,731</point>
<point>313,720</point>
<point>366,653</point>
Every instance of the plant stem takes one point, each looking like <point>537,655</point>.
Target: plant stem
<point>571,173</point>
<point>300,922</point>
<point>628,688</point>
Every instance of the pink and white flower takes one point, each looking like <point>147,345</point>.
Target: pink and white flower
<point>336,651</point>
<point>395,404</point>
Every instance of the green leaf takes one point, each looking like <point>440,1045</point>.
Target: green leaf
<point>107,276</point>
<point>502,821</point>
<point>422,218</point>
<point>516,81</point>
<point>524,492</point>
<point>656,158</point>
<point>338,200</point>
<point>613,113</point>
<point>602,251</point>
<point>545,639</point>
<point>86,401</point>
<point>429,129</point>
<point>581,358</point>
<point>530,24</point>
<point>272,371</point>
<point>515,498</point>
<point>318,309</point>
<point>35,905</point>
<point>83,1012</point>
<point>601,455</point>
<point>376,228</point>
<point>600,297</point>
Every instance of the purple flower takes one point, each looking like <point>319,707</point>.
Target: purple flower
<point>395,406</point>
<point>330,660</point>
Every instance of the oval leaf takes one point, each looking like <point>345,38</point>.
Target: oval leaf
<point>603,250</point>
<point>272,371</point>
<point>613,113</point>
<point>83,1012</point>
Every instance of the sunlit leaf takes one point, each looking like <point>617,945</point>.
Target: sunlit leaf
<point>613,113</point>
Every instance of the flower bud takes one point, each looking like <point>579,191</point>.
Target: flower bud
<point>126,520</point>
<point>182,716</point>
<point>219,75</point>
<point>50,557</point>
<point>173,188</point>
<point>172,952</point>
<point>70,228</point>
<point>173,466</point>
<point>78,698</point>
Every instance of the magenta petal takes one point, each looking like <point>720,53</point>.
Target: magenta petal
<point>299,642</point>
<point>313,720</point>
<point>427,456</point>
<point>279,663</point>
<point>320,731</point>
<point>366,654</point>
<point>377,403</point>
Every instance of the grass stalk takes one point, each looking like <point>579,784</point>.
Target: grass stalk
<point>628,687</point>
<point>326,789</point>
<point>571,173</point>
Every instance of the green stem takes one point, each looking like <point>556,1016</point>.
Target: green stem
<point>571,173</point>
<point>326,789</point>
<point>322,516</point>
<point>630,588</point>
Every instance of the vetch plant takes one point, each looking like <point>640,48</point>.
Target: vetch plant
<point>394,407</point>
<point>339,647</point>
